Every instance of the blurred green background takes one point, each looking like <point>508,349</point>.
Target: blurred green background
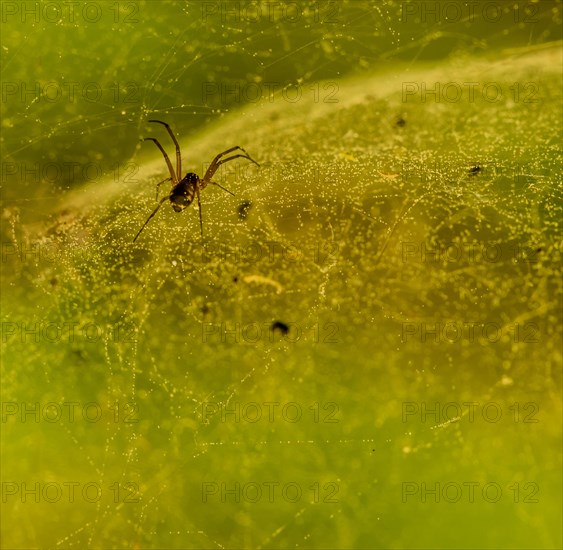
<point>80,81</point>
<point>356,181</point>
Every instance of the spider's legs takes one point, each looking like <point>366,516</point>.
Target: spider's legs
<point>178,155</point>
<point>230,151</point>
<point>159,184</point>
<point>246,156</point>
<point>168,163</point>
<point>215,163</point>
<point>200,215</point>
<point>223,188</point>
<point>151,216</point>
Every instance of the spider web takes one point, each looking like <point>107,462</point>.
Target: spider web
<point>300,293</point>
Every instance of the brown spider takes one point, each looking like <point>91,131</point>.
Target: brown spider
<point>184,190</point>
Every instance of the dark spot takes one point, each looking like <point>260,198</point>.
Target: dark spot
<point>540,249</point>
<point>54,281</point>
<point>474,170</point>
<point>205,309</point>
<point>243,209</point>
<point>282,327</point>
<point>235,279</point>
<point>78,354</point>
<point>401,122</point>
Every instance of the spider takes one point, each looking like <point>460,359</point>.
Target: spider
<point>184,190</point>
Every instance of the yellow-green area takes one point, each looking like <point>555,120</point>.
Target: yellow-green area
<point>358,236</point>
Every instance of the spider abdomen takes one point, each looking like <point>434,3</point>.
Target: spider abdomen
<point>183,193</point>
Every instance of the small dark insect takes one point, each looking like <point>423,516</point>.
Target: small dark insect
<point>282,327</point>
<point>184,190</point>
<point>243,209</point>
<point>400,122</point>
<point>474,170</point>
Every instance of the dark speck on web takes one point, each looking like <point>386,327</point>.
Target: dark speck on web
<point>282,327</point>
<point>243,210</point>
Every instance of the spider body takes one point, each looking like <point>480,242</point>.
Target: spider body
<point>183,193</point>
<point>186,189</point>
